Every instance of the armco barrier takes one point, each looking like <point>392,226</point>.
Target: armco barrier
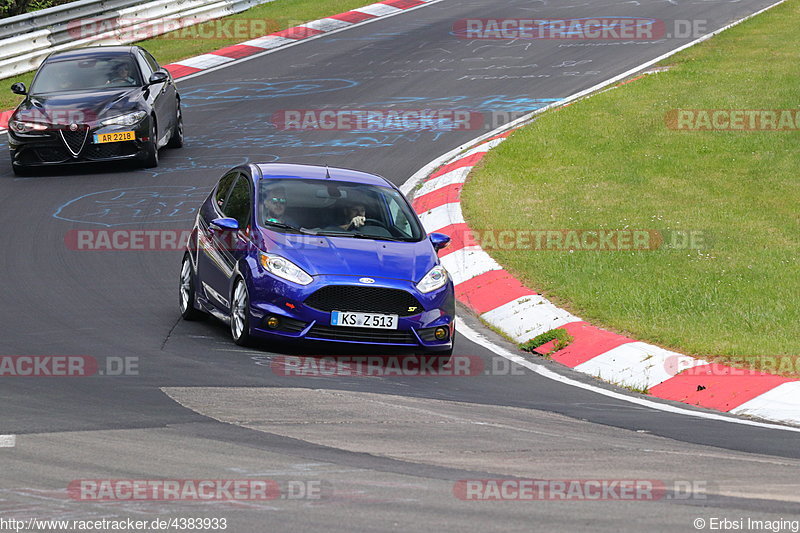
<point>25,40</point>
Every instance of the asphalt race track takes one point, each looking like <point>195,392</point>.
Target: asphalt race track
<point>387,451</point>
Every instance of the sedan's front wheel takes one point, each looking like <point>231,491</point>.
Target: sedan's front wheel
<point>176,141</point>
<point>20,170</point>
<point>240,314</point>
<point>151,148</point>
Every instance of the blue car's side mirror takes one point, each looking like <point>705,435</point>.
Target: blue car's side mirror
<point>439,240</point>
<point>19,88</point>
<point>225,224</point>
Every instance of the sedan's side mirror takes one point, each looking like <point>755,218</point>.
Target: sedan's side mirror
<point>19,88</point>
<point>225,224</point>
<point>439,240</point>
<point>158,76</point>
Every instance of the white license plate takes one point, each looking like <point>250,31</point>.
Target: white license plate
<point>363,320</point>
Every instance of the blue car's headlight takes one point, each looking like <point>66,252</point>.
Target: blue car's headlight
<point>283,268</point>
<point>128,119</point>
<point>436,278</point>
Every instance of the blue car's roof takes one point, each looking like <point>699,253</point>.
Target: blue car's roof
<point>287,170</point>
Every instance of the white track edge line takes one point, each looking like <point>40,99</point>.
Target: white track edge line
<point>481,340</point>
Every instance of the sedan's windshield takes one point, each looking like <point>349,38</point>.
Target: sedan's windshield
<point>336,208</point>
<point>86,74</point>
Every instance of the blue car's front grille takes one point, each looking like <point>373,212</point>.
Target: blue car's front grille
<point>387,336</point>
<point>365,300</point>
<point>291,325</point>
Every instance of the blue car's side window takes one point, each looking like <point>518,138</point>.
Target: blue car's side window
<point>223,190</point>
<point>239,202</point>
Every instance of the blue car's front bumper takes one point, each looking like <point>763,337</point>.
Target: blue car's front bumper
<point>303,314</point>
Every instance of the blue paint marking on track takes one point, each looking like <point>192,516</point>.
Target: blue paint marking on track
<point>487,103</point>
<point>215,93</point>
<point>308,140</point>
<point>220,162</point>
<point>141,205</point>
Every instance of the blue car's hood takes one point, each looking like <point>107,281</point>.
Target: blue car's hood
<point>346,256</point>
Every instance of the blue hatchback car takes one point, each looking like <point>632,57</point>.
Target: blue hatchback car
<point>299,252</point>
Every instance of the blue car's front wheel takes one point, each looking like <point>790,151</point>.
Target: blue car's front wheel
<point>240,314</point>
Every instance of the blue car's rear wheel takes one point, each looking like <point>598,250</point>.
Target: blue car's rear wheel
<point>187,293</point>
<point>240,314</point>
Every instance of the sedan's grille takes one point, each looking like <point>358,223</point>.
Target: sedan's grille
<point>51,154</point>
<point>74,140</point>
<point>388,336</point>
<point>365,300</point>
<point>109,150</point>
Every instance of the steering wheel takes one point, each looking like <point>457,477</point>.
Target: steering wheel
<point>375,222</point>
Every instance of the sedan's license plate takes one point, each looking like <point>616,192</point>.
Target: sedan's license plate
<point>363,320</point>
<point>114,137</point>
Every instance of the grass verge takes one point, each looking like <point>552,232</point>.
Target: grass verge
<point>189,42</point>
<point>559,338</point>
<point>611,162</point>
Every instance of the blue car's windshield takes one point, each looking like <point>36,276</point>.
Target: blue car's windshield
<point>86,74</point>
<point>336,208</point>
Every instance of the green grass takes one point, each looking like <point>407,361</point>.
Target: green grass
<point>168,48</point>
<point>611,162</point>
<point>562,338</point>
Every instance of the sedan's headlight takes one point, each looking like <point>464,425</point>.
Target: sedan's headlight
<point>283,268</point>
<point>435,279</point>
<point>26,127</point>
<point>128,119</point>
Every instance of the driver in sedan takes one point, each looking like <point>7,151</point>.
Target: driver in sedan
<point>121,75</point>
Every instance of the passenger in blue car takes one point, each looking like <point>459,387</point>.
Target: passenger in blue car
<point>274,207</point>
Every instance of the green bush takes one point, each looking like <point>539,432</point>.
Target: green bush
<point>10,8</point>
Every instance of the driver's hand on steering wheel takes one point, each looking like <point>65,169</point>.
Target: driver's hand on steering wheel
<point>358,221</point>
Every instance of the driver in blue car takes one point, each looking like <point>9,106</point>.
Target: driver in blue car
<point>355,215</point>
